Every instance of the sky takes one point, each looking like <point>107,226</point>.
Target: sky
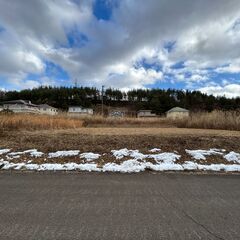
<point>124,44</point>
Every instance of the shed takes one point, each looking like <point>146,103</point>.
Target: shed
<point>46,109</point>
<point>145,113</point>
<point>79,111</point>
<point>177,112</point>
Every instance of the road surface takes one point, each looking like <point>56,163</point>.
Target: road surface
<point>68,206</point>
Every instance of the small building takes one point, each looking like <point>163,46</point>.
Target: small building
<point>79,111</point>
<point>20,106</point>
<point>119,113</point>
<point>177,112</point>
<point>46,109</point>
<point>145,113</point>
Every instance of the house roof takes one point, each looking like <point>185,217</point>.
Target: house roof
<point>45,106</point>
<point>20,101</point>
<point>177,109</point>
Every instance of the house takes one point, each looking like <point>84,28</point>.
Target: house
<point>116,113</point>
<point>46,109</point>
<point>20,106</point>
<point>121,112</point>
<point>177,112</point>
<point>145,113</point>
<point>79,111</point>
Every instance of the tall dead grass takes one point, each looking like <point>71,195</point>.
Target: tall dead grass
<point>37,122</point>
<point>226,120</point>
<point>215,120</point>
<point>99,121</point>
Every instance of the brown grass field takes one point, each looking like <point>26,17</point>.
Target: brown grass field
<point>47,134</point>
<point>105,139</point>
<point>37,122</point>
<point>215,120</point>
<point>229,120</point>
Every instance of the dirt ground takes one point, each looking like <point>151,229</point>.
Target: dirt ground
<point>103,140</point>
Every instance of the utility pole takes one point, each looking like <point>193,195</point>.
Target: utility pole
<point>102,98</point>
<point>75,83</point>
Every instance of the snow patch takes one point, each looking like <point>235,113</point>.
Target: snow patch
<point>165,157</point>
<point>58,154</point>
<point>36,154</point>
<point>155,150</point>
<point>119,154</point>
<point>128,166</point>
<point>201,154</point>
<point>233,157</point>
<point>4,151</point>
<point>90,156</point>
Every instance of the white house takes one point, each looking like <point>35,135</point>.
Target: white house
<point>177,112</point>
<point>46,109</point>
<point>79,111</point>
<point>145,113</point>
<point>116,113</point>
<point>20,106</point>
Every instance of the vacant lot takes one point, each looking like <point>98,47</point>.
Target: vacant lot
<point>105,139</point>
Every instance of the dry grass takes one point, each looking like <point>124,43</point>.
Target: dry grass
<point>229,120</point>
<point>37,122</point>
<point>203,120</point>
<point>103,140</point>
<point>99,121</point>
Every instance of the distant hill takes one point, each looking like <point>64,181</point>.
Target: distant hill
<point>158,100</point>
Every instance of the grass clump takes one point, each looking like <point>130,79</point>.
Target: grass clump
<point>37,122</point>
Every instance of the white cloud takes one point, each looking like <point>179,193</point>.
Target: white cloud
<point>205,34</point>
<point>230,90</point>
<point>231,68</point>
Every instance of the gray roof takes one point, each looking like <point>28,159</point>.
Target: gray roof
<point>45,106</point>
<point>20,101</point>
<point>177,109</point>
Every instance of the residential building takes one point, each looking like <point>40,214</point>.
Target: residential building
<point>145,113</point>
<point>46,109</point>
<point>20,106</point>
<point>79,111</point>
<point>177,112</point>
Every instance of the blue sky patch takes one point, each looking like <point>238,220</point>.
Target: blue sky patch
<point>178,65</point>
<point>102,9</point>
<point>55,71</point>
<point>169,46</point>
<point>76,39</point>
<point>146,65</point>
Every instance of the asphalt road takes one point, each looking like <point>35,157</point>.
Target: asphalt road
<point>42,206</point>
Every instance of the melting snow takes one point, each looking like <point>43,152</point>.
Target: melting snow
<point>233,157</point>
<point>90,156</point>
<point>155,150</point>
<point>4,151</point>
<point>119,154</point>
<point>137,162</point>
<point>36,154</point>
<point>58,154</point>
<point>166,157</point>
<point>200,154</point>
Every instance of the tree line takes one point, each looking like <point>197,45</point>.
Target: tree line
<point>158,100</point>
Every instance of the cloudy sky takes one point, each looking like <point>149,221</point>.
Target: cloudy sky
<point>188,44</point>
